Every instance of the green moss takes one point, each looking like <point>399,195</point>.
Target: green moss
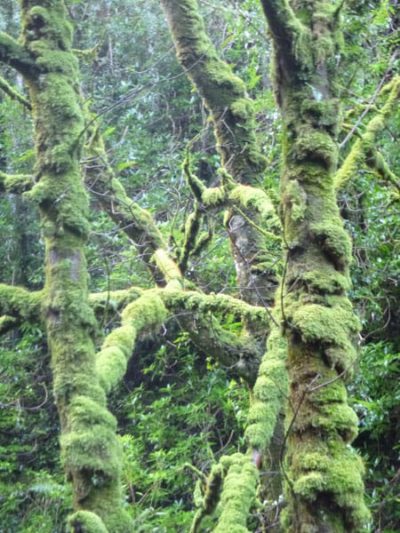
<point>331,328</point>
<point>87,444</point>
<point>321,114</point>
<point>315,147</point>
<point>238,495</point>
<point>325,280</point>
<point>251,197</point>
<point>214,196</point>
<point>242,108</point>
<point>295,198</point>
<point>213,489</point>
<point>269,392</point>
<point>86,522</point>
<point>20,303</point>
<point>169,268</point>
<point>337,417</point>
<point>334,241</point>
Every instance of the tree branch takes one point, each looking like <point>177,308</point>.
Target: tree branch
<point>239,354</point>
<point>14,94</point>
<point>15,183</point>
<point>15,55</point>
<point>292,40</point>
<point>137,223</point>
<point>146,313</point>
<point>20,303</point>
<point>223,92</point>
<point>363,150</point>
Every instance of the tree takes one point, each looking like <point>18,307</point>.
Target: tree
<point>323,475</point>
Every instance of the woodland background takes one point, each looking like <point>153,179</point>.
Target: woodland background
<point>176,405</point>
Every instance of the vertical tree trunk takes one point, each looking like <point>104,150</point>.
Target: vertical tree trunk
<point>324,475</point>
<point>89,446</point>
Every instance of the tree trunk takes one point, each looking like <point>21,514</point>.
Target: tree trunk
<point>89,446</point>
<point>324,475</point>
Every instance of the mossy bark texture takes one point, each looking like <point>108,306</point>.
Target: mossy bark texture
<point>324,474</point>
<point>251,222</point>
<point>233,117</point>
<point>89,445</point>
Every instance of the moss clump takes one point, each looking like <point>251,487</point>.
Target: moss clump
<point>86,522</point>
<point>238,495</point>
<point>295,198</point>
<point>251,197</point>
<point>336,472</point>
<point>331,328</point>
<point>313,146</point>
<point>334,241</point>
<point>87,444</point>
<point>325,280</point>
<point>269,392</point>
<point>213,196</point>
<point>242,108</point>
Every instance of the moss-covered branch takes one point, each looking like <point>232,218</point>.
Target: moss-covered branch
<point>364,150</point>
<point>146,313</point>
<point>137,223</point>
<point>216,303</point>
<point>269,393</point>
<point>14,94</point>
<point>238,494</point>
<point>224,93</point>
<point>17,56</point>
<point>232,484</point>
<point>233,117</point>
<point>288,32</point>
<point>21,304</point>
<point>196,313</point>
<point>15,183</point>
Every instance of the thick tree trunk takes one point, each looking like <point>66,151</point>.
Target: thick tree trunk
<point>89,446</point>
<point>325,488</point>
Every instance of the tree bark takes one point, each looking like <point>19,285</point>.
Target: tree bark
<point>89,445</point>
<point>324,475</point>
<point>233,117</point>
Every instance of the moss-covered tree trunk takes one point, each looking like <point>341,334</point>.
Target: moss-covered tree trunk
<point>233,118</point>
<point>88,442</point>
<point>324,474</point>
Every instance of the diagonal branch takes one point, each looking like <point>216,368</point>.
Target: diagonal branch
<point>14,94</point>
<point>233,116</point>
<point>363,150</point>
<point>223,92</point>
<point>137,223</point>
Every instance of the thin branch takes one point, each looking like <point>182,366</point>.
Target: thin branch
<point>14,94</point>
